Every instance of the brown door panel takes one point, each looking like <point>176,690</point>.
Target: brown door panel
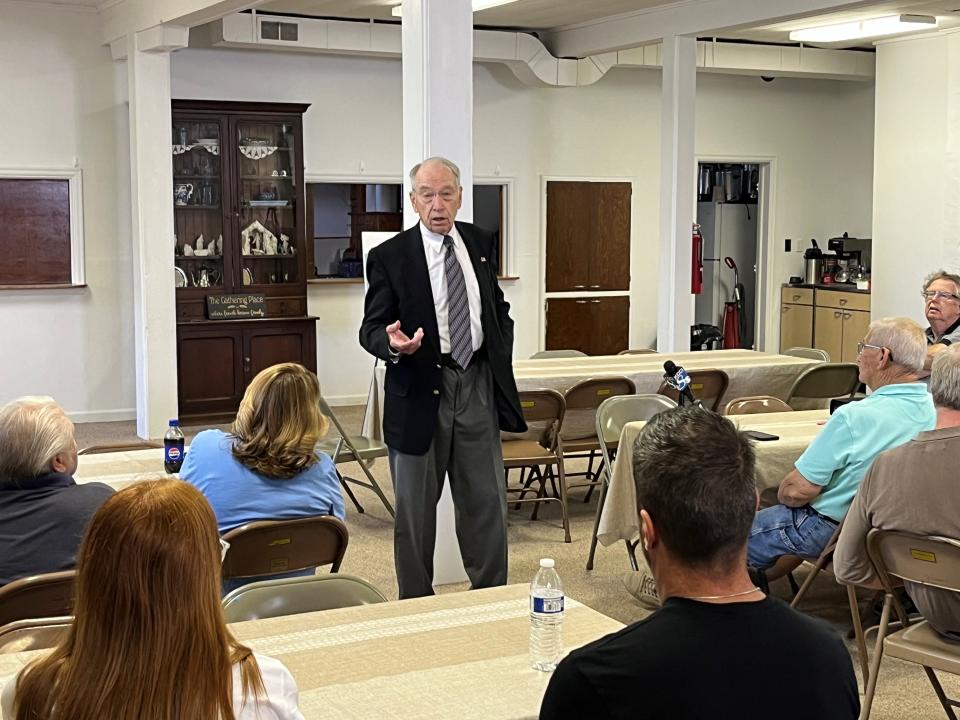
<point>209,371</point>
<point>569,231</point>
<point>569,325</point>
<point>610,320</point>
<point>610,261</point>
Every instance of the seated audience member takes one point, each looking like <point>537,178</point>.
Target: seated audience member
<point>43,512</point>
<point>941,305</point>
<point>148,640</point>
<point>913,488</point>
<point>718,647</point>
<point>266,468</point>
<point>816,494</point>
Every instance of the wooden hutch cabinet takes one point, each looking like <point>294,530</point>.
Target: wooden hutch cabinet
<point>239,220</point>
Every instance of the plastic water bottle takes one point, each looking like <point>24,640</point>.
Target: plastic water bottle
<point>173,448</point>
<point>546,617</point>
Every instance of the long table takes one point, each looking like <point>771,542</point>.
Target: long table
<point>775,458</point>
<point>121,469</point>
<point>750,372</point>
<point>460,654</point>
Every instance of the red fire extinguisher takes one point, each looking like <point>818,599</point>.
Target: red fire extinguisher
<point>696,268</point>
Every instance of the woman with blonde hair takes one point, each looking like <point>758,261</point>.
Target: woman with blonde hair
<point>148,640</point>
<point>267,467</point>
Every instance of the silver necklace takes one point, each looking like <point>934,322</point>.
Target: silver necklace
<point>728,595</point>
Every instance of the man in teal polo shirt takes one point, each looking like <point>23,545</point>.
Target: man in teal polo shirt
<point>817,493</point>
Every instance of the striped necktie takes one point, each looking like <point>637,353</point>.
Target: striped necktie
<point>458,308</point>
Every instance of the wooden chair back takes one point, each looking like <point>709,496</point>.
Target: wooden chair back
<point>708,386</point>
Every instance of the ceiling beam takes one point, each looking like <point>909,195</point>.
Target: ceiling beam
<point>687,17</point>
<point>123,17</point>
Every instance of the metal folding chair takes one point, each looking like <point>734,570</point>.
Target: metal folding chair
<point>808,353</point>
<point>612,415</point>
<point>823,382</point>
<point>354,448</point>
<point>38,634</point>
<point>292,596</point>
<point>756,404</point>
<point>557,354</point>
<point>37,596</point>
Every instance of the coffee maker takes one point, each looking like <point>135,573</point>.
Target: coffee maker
<point>848,260</point>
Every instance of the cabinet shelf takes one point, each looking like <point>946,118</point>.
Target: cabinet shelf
<point>197,177</point>
<point>196,207</point>
<point>266,177</point>
<point>198,257</point>
<point>269,257</point>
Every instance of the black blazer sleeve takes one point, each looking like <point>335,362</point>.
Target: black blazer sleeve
<point>380,308</point>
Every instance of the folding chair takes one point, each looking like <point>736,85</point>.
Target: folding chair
<point>756,404</point>
<point>292,596</point>
<point>638,351</point>
<point>823,382</point>
<point>612,415</point>
<point>708,386</point>
<point>274,547</point>
<point>808,353</point>
<point>557,354</point>
<point>544,407</point>
<point>579,432</point>
<point>37,596</point>
<point>930,561</point>
<point>354,448</point>
<point>37,634</point>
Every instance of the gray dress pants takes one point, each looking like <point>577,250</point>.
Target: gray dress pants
<point>466,445</point>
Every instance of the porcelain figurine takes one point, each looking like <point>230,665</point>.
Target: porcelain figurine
<point>187,250</point>
<point>245,245</point>
<point>270,245</point>
<point>220,244</point>
<point>199,242</point>
<point>285,248</point>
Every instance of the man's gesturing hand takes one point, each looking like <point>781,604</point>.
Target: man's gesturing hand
<point>400,342</point>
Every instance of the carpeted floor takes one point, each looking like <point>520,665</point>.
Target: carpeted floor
<point>903,690</point>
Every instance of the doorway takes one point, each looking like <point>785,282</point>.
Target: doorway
<point>730,198</point>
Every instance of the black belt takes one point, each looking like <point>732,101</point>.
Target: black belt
<point>827,518</point>
<point>446,359</point>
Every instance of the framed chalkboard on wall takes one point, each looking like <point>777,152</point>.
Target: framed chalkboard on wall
<point>41,228</point>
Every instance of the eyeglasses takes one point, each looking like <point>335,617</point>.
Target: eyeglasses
<point>861,345</point>
<point>428,196</point>
<point>224,546</point>
<point>929,295</point>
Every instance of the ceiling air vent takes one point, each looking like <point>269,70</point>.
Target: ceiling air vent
<point>279,31</point>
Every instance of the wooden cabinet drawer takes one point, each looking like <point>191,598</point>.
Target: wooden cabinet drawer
<point>796,296</point>
<point>286,307</point>
<point>843,300</point>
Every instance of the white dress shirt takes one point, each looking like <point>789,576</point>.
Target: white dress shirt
<point>436,252</point>
<point>279,703</point>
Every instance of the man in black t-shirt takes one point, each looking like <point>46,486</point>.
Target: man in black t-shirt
<point>719,648</point>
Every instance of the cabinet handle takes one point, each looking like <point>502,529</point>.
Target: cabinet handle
<point>843,301</point>
<point>594,287</point>
<point>580,302</point>
<point>796,297</point>
<point>837,313</point>
<point>595,302</point>
<point>847,316</point>
<point>579,287</point>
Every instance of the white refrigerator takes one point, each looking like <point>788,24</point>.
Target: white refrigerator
<point>728,230</point>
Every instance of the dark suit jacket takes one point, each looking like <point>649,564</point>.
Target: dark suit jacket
<point>399,289</point>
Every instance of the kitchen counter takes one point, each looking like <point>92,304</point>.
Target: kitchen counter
<point>839,287</point>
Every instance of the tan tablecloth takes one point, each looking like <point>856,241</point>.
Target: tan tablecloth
<point>456,655</point>
<point>775,458</point>
<point>121,469</point>
<point>750,373</point>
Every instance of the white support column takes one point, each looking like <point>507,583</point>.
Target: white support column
<point>677,160</point>
<point>151,167</point>
<point>438,90</point>
<point>438,120</point>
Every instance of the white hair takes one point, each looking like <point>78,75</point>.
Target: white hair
<point>33,430</point>
<point>903,338</point>
<point>448,164</point>
<point>945,378</point>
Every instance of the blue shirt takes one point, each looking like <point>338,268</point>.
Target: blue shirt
<point>856,433</point>
<point>238,495</point>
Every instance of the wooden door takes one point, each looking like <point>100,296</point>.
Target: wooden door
<point>568,324</point>
<point>610,259</point>
<point>272,343</point>
<point>569,229</point>
<point>610,323</point>
<point>209,369</point>
<point>855,326</point>
<point>828,332</point>
<point>796,326</point>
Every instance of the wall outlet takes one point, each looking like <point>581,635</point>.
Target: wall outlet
<point>786,244</point>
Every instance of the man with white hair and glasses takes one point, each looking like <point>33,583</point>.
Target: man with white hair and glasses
<point>816,494</point>
<point>941,306</point>
<point>913,488</point>
<point>43,512</point>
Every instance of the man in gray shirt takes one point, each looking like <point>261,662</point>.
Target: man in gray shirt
<point>913,488</point>
<point>941,306</point>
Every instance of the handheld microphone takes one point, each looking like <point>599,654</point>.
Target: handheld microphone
<point>677,378</point>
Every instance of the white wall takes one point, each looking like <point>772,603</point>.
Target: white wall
<point>66,100</point>
<point>917,173</point>
<point>58,90</point>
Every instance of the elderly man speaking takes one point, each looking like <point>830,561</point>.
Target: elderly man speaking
<point>816,494</point>
<point>941,305</point>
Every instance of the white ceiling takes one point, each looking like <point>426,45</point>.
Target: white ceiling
<point>547,15</point>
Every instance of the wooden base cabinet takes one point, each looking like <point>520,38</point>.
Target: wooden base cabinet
<point>841,322</point>
<point>594,325</point>
<point>796,318</point>
<point>217,360</point>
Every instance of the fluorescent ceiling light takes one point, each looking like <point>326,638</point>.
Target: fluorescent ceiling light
<point>874,27</point>
<point>397,10</point>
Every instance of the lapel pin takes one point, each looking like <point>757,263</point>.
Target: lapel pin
<point>482,259</point>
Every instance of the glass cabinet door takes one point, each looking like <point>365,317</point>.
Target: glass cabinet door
<point>266,161</point>
<point>198,204</point>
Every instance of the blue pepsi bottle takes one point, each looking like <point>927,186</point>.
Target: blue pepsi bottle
<point>173,448</point>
